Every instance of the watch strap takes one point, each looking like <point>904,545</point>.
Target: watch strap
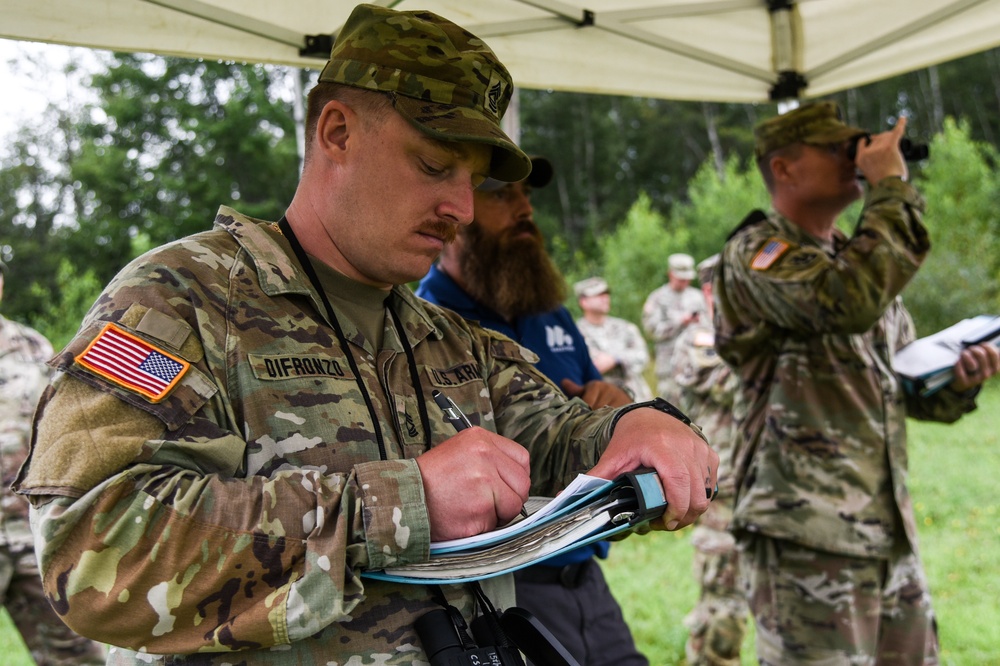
<point>659,404</point>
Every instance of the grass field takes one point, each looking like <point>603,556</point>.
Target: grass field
<point>953,480</point>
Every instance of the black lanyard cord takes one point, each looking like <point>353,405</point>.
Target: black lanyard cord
<point>300,254</point>
<point>415,377</point>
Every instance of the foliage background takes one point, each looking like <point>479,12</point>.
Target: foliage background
<point>88,186</point>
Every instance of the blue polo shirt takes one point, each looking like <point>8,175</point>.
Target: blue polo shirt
<point>553,335</point>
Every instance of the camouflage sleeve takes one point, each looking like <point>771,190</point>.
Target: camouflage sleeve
<point>808,290</point>
<point>176,553</point>
<point>152,533</point>
<point>946,405</point>
<point>564,436</point>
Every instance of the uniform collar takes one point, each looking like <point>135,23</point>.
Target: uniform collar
<point>278,271</point>
<point>799,236</point>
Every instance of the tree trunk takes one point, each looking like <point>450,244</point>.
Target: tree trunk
<point>589,172</point>
<point>708,109</point>
<point>937,101</point>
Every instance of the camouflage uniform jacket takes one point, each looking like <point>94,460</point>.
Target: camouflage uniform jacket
<point>623,340</point>
<point>662,317</point>
<point>811,330</point>
<point>23,376</point>
<point>244,516</point>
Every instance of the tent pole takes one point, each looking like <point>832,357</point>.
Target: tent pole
<point>512,119</point>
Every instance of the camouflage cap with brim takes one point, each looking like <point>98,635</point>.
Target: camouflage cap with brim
<point>444,80</point>
<point>818,124</point>
<point>593,286</point>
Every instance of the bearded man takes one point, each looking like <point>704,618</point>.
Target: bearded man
<point>497,272</point>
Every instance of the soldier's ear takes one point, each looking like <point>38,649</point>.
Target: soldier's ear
<point>779,167</point>
<point>336,123</point>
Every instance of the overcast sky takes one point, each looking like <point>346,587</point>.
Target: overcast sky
<point>31,75</point>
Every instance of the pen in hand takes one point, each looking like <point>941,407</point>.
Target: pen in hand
<point>451,411</point>
<point>457,419</point>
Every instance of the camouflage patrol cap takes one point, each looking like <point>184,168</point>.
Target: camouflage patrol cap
<point>443,79</point>
<point>593,286</point>
<point>818,123</point>
<point>681,266</point>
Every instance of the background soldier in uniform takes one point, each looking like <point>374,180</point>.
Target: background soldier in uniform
<point>243,424</point>
<point>809,318</point>
<point>23,376</point>
<point>616,346</point>
<point>718,622</point>
<point>669,310</point>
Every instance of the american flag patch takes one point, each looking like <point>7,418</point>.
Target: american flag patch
<point>768,254</point>
<point>132,363</point>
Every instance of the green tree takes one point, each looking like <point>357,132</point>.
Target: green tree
<point>59,312</point>
<point>716,203</point>
<point>967,88</point>
<point>633,257</point>
<point>607,150</point>
<point>167,141</point>
<point>171,141</point>
<point>961,275</point>
<point>34,191</point>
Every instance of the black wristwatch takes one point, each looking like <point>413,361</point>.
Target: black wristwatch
<point>659,404</point>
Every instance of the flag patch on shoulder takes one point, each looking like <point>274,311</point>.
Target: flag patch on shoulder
<point>133,363</point>
<point>768,254</point>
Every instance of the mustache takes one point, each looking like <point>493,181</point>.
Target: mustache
<point>446,231</point>
<point>526,225</point>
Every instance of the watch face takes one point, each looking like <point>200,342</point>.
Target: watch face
<point>666,407</point>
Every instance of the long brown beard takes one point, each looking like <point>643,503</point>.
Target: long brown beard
<point>513,275</point>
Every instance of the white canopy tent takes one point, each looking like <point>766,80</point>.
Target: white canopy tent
<point>709,50</point>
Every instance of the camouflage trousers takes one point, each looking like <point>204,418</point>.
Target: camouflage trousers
<point>718,622</point>
<point>50,642</point>
<point>819,608</point>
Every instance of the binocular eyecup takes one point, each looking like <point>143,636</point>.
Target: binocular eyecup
<point>499,639</point>
<point>912,152</point>
<point>448,645</point>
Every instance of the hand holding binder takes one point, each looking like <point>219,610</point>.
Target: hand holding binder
<point>926,365</point>
<point>590,509</point>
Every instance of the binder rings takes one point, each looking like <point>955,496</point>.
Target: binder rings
<point>589,509</point>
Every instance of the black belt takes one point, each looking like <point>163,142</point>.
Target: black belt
<point>569,576</point>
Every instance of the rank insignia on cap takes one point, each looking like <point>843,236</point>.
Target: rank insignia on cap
<point>132,363</point>
<point>768,254</point>
<point>494,94</point>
